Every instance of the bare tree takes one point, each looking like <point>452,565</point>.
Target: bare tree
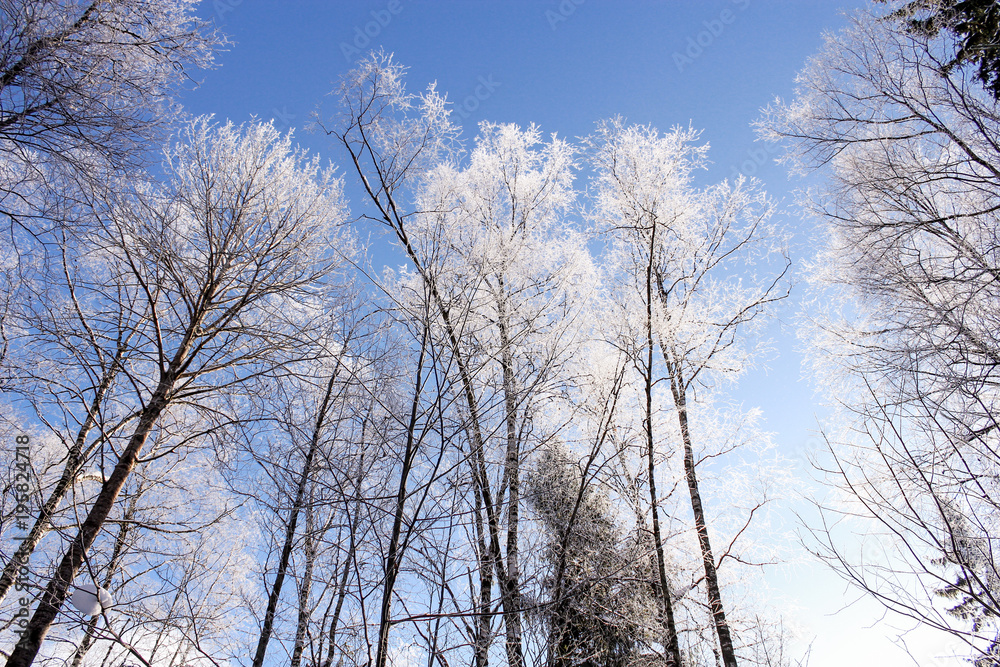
<point>490,271</point>
<point>153,561</point>
<point>299,504</point>
<point>68,372</point>
<point>311,405</point>
<point>523,281</point>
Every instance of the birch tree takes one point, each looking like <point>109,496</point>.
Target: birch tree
<point>522,277</point>
<point>67,373</point>
<point>496,308</point>
<point>684,251</point>
<point>164,557</point>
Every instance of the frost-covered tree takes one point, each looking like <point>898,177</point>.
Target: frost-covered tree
<point>495,275</point>
<point>86,85</point>
<point>174,562</point>
<point>973,24</point>
<point>599,606</point>
<point>206,281</point>
<point>906,307</point>
<point>309,418</point>
<point>522,276</point>
<point>687,258</point>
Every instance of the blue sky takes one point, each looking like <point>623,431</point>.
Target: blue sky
<point>565,64</point>
<point>562,65</point>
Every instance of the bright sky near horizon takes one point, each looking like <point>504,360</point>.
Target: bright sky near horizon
<point>563,65</point>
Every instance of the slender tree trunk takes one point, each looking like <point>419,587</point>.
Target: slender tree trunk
<point>390,214</point>
<point>484,615</point>
<point>286,552</point>
<point>711,576</point>
<point>510,585</point>
<point>558,647</point>
<point>663,587</point>
<point>116,556</point>
<point>177,658</point>
<point>478,456</point>
<point>434,627</point>
<point>394,556</point>
<point>348,560</point>
<point>492,551</point>
<point>666,605</point>
<point>163,631</point>
<point>558,635</point>
<point>305,611</point>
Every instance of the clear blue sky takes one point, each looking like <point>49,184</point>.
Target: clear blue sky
<point>565,65</point>
<point>711,63</point>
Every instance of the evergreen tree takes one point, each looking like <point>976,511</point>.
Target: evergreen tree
<point>974,23</point>
<point>597,606</point>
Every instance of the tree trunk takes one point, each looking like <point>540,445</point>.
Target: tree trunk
<point>305,611</point>
<point>391,216</point>
<point>348,561</point>
<point>491,553</point>
<point>286,552</point>
<point>394,556</point>
<point>711,576</point>
<point>663,589</point>
<point>116,556</point>
<point>484,613</point>
<point>510,585</point>
<point>434,627</point>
